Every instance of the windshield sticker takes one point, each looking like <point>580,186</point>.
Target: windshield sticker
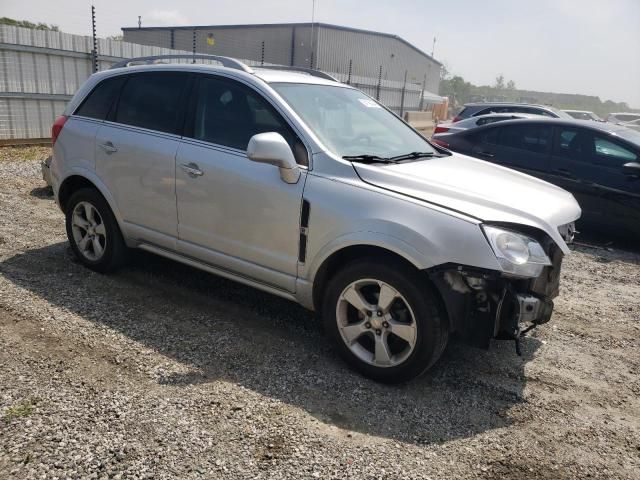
<point>367,102</point>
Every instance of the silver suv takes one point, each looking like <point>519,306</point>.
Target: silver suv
<point>304,187</point>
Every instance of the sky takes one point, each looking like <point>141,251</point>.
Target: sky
<point>588,47</point>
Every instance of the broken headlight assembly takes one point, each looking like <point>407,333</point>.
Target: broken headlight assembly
<point>518,255</point>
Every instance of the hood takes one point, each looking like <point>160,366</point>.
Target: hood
<point>488,192</point>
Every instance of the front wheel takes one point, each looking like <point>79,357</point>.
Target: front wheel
<point>385,320</point>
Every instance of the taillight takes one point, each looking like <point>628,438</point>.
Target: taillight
<point>440,142</point>
<point>57,128</point>
<point>441,130</point>
<point>456,119</point>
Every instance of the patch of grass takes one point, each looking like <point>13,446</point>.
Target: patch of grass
<point>26,153</point>
<point>22,409</point>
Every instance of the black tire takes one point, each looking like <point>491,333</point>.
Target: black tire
<point>115,250</point>
<point>430,319</point>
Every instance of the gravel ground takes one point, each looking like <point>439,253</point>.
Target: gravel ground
<point>162,371</point>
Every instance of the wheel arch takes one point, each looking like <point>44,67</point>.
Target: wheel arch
<point>77,180</point>
<point>339,257</point>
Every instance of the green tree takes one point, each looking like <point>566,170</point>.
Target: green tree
<point>499,85</point>
<point>28,24</point>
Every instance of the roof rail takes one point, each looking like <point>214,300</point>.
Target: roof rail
<point>309,71</point>
<point>225,61</point>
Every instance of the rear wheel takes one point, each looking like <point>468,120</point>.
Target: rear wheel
<point>385,320</point>
<point>93,232</point>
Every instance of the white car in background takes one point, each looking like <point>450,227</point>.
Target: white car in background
<point>473,122</point>
<point>626,119</point>
<point>584,115</point>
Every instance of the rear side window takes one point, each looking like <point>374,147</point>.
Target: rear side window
<point>99,101</point>
<point>152,100</point>
<point>532,138</point>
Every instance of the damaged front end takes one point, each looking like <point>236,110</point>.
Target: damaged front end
<point>485,304</point>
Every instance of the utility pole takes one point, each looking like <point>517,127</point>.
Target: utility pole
<point>94,52</point>
<point>139,21</point>
<point>433,47</point>
<point>313,16</point>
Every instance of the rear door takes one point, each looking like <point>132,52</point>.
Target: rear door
<point>524,147</point>
<point>135,153</point>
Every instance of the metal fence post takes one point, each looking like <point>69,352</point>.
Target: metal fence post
<point>349,75</point>
<point>94,53</point>
<point>194,46</point>
<point>379,84</point>
<point>424,85</point>
<point>404,87</point>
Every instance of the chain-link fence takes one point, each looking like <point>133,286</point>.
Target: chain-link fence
<point>41,70</point>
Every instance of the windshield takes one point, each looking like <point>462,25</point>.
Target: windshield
<point>350,123</point>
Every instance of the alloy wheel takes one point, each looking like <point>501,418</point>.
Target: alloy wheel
<point>376,323</point>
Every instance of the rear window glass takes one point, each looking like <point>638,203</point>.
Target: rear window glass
<point>152,100</point>
<point>99,101</point>
<point>533,138</point>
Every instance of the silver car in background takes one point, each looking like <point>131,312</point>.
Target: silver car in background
<point>473,122</point>
<point>301,186</point>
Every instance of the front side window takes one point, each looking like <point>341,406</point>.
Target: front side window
<point>152,100</point>
<point>608,152</point>
<point>532,138</point>
<point>348,122</point>
<point>228,113</point>
<point>99,101</point>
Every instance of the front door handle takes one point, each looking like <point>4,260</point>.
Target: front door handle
<point>108,147</point>
<point>486,154</point>
<point>191,169</point>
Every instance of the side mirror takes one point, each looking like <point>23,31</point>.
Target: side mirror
<point>272,148</point>
<point>632,168</point>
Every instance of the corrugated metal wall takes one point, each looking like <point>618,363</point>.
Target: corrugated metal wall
<point>41,70</point>
<point>334,48</point>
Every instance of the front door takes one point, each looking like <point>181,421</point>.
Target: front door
<point>233,213</point>
<point>590,165</point>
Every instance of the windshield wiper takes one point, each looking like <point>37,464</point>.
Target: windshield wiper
<point>414,156</point>
<point>368,159</point>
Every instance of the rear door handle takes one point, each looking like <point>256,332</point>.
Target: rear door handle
<point>108,147</point>
<point>487,154</point>
<point>192,170</point>
<point>563,172</point>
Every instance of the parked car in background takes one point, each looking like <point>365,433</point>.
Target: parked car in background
<point>304,187</point>
<point>473,122</point>
<point>598,162</point>
<point>634,125</point>
<point>584,115</point>
<point>623,118</point>
<point>476,109</point>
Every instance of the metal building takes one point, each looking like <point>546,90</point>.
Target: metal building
<point>349,52</point>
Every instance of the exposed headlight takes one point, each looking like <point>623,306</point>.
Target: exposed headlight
<point>517,254</point>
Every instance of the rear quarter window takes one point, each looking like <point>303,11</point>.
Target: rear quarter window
<point>102,97</point>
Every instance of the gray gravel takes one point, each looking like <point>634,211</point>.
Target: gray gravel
<point>162,371</point>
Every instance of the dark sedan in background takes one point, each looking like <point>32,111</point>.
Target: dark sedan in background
<point>598,162</point>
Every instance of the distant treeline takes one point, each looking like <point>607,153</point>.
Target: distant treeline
<point>460,91</point>
<point>28,24</point>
